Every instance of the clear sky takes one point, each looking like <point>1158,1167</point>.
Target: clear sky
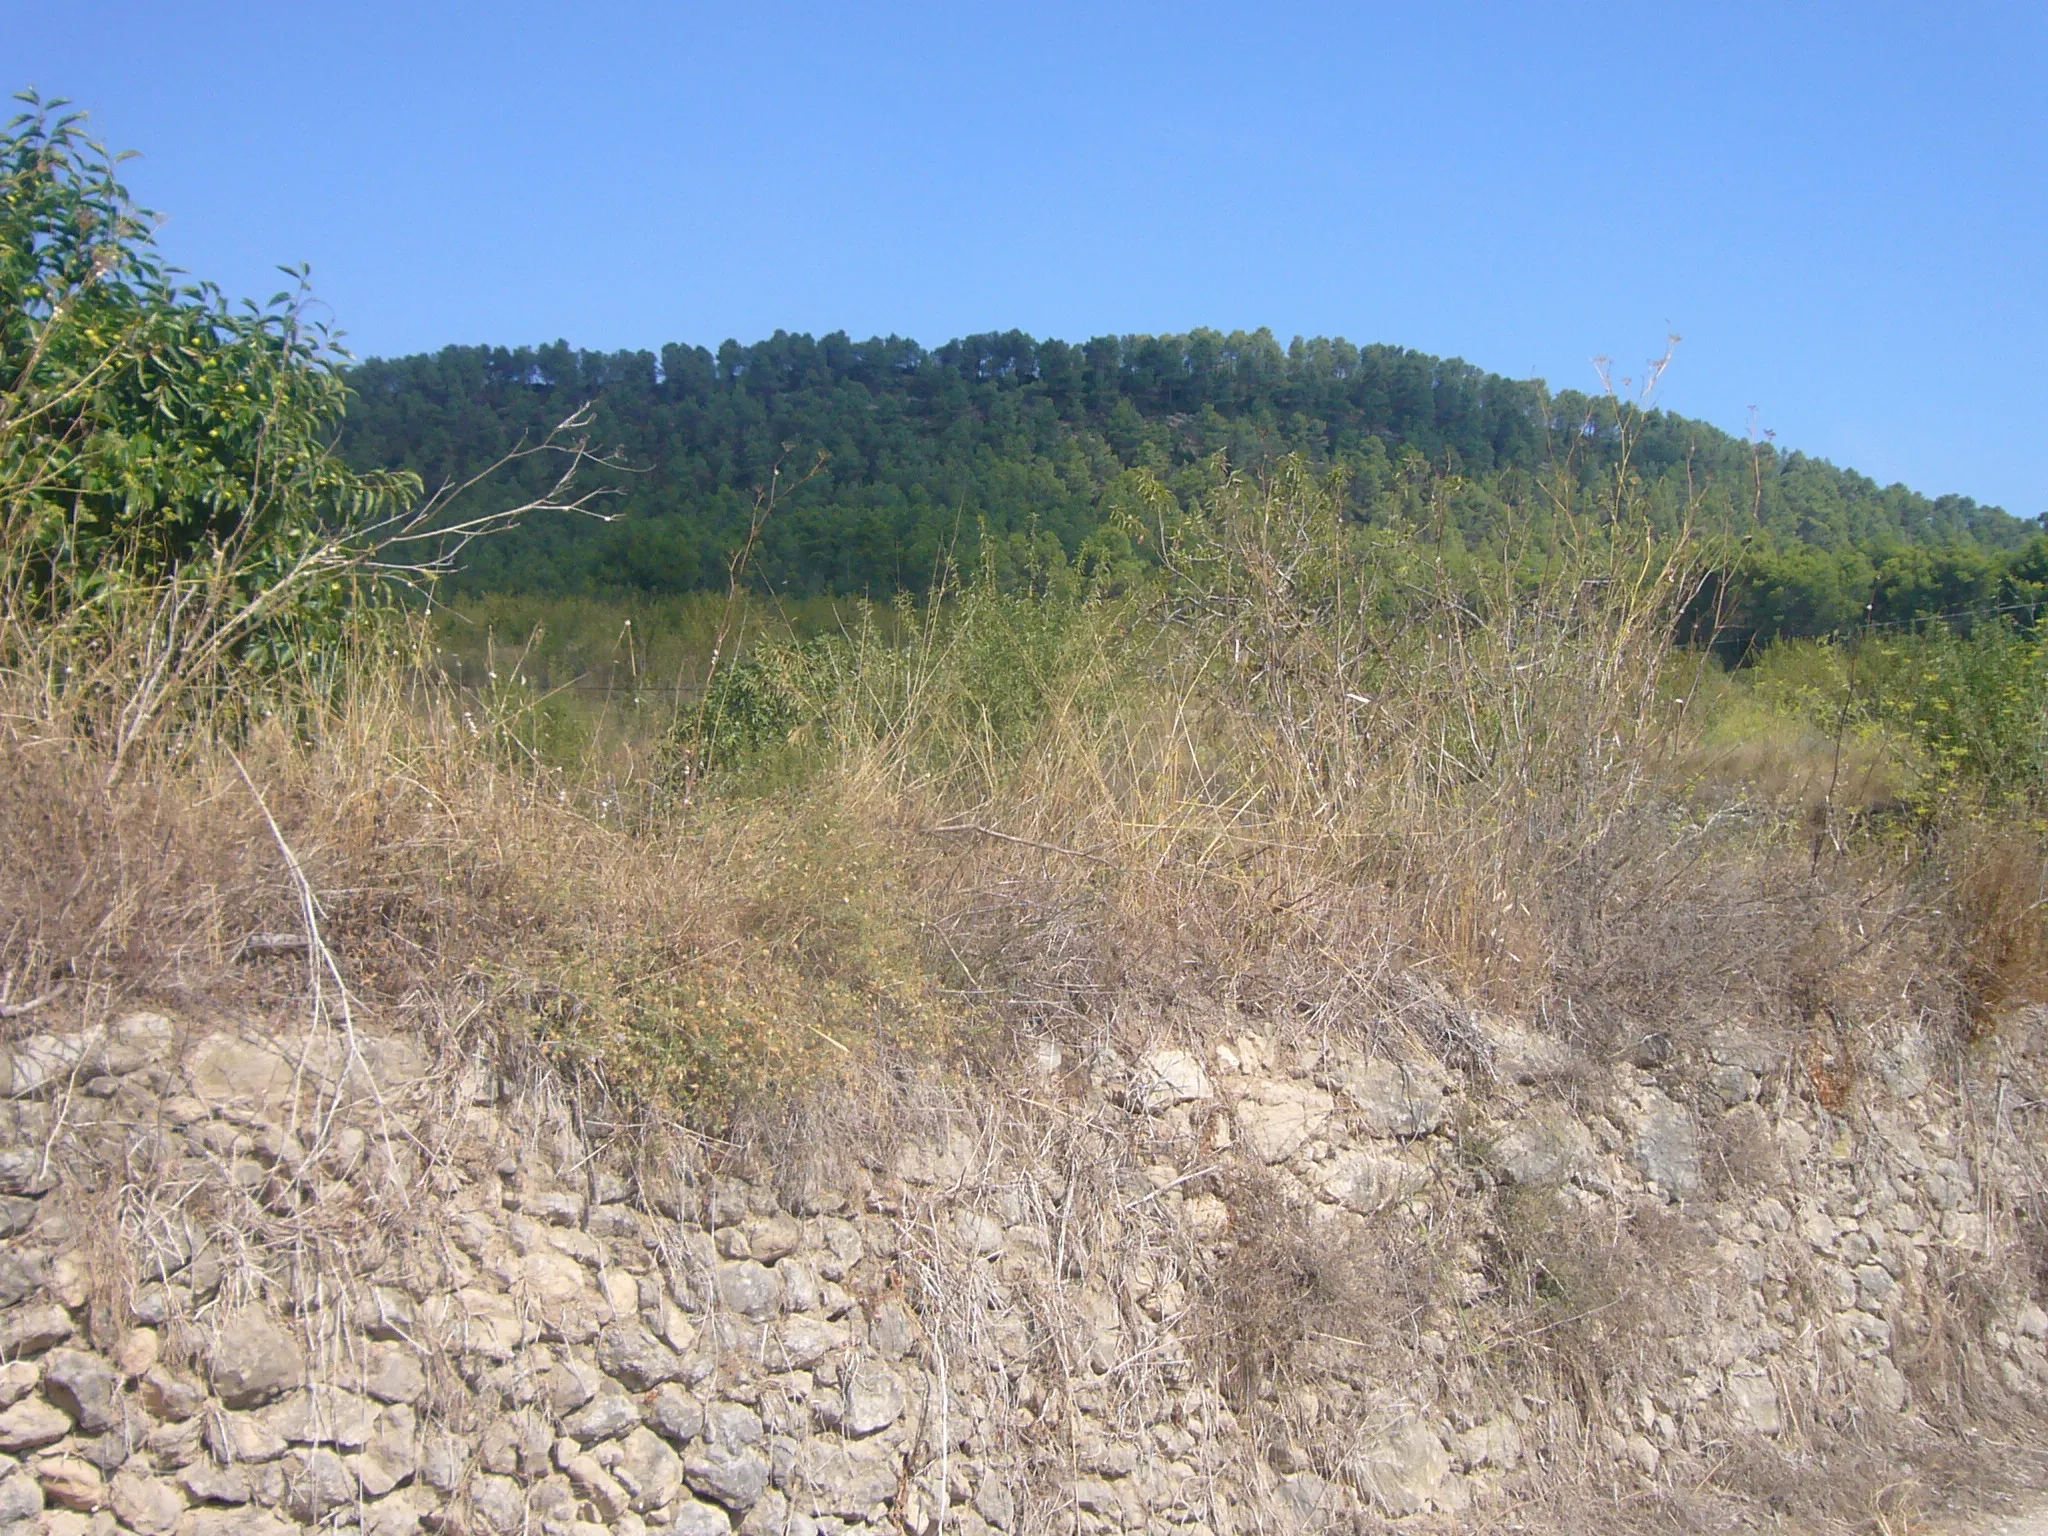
<point>1841,209</point>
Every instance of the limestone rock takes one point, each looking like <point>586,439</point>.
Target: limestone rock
<point>801,1342</point>
<point>1277,1116</point>
<point>21,1497</point>
<point>846,1480</point>
<point>254,1361</point>
<point>29,1331</point>
<point>242,1437</point>
<point>1520,1055</point>
<point>1667,1144</point>
<point>605,1417</point>
<point>980,1234</point>
<point>1732,1085</point>
<point>24,1171</point>
<point>874,1399</point>
<point>636,1357</point>
<point>1548,1146</point>
<point>1309,1503</point>
<point>597,1485</point>
<point>18,1378</point>
<point>42,1061</point>
<point>212,1483</point>
<point>1404,1469</point>
<point>392,1453</point>
<point>32,1424</point>
<point>477,1319</point>
<point>651,1472</point>
<point>71,1482</point>
<point>138,1352</point>
<point>399,1513</point>
<point>695,1518</point>
<point>235,1522</point>
<point>392,1374</point>
<point>1165,1078</point>
<point>1753,1402</point>
<point>225,1069</point>
<point>676,1414</point>
<point>170,1394</point>
<point>317,1483</point>
<point>770,1238</point>
<point>1395,1099</point>
<point>321,1415</point>
<point>750,1289</point>
<point>499,1501</point>
<point>84,1386</point>
<point>734,1477</point>
<point>1367,1182</point>
<point>146,1504</point>
<point>1496,1443</point>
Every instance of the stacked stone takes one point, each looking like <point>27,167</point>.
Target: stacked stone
<point>252,1284</point>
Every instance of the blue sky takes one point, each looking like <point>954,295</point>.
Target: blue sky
<point>1841,209</point>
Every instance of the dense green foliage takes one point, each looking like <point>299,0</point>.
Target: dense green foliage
<point>152,433</point>
<point>1030,443</point>
<point>150,421</point>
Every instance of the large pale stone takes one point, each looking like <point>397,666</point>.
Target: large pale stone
<point>751,1289</point>
<point>1395,1099</point>
<point>477,1319</point>
<point>84,1386</point>
<point>1165,1078</point>
<point>801,1342</point>
<point>1667,1144</point>
<point>552,1277</point>
<point>1403,1470</point>
<point>770,1238</point>
<point>392,1453</point>
<point>650,1471</point>
<point>846,1480</point>
<point>696,1518</point>
<point>676,1414</point>
<point>1496,1443</point>
<point>254,1361</point>
<point>28,1331</point>
<point>1367,1182</point>
<point>249,1521</point>
<point>629,1352</point>
<point>225,1069</point>
<point>21,1497</point>
<point>71,1482</point>
<point>1548,1146</point>
<point>874,1398</point>
<point>736,1478</point>
<point>393,1374</point>
<point>1753,1402</point>
<point>1277,1116</point>
<point>605,1417</point>
<point>242,1437</point>
<point>1308,1503</point>
<point>317,1483</point>
<point>322,1415</point>
<point>41,1061</point>
<point>146,1504</point>
<point>32,1424</point>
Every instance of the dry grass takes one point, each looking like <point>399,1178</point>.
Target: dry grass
<point>1347,810</point>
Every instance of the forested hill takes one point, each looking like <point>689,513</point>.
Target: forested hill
<point>1021,439</point>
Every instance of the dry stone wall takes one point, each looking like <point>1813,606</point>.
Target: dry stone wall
<point>255,1280</point>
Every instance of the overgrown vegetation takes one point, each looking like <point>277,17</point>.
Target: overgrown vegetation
<point>1009,450</point>
<point>1245,738</point>
<point>1238,750</point>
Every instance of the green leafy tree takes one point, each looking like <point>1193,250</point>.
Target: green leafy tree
<point>172,509</point>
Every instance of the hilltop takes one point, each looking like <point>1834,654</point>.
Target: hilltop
<point>1027,443</point>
